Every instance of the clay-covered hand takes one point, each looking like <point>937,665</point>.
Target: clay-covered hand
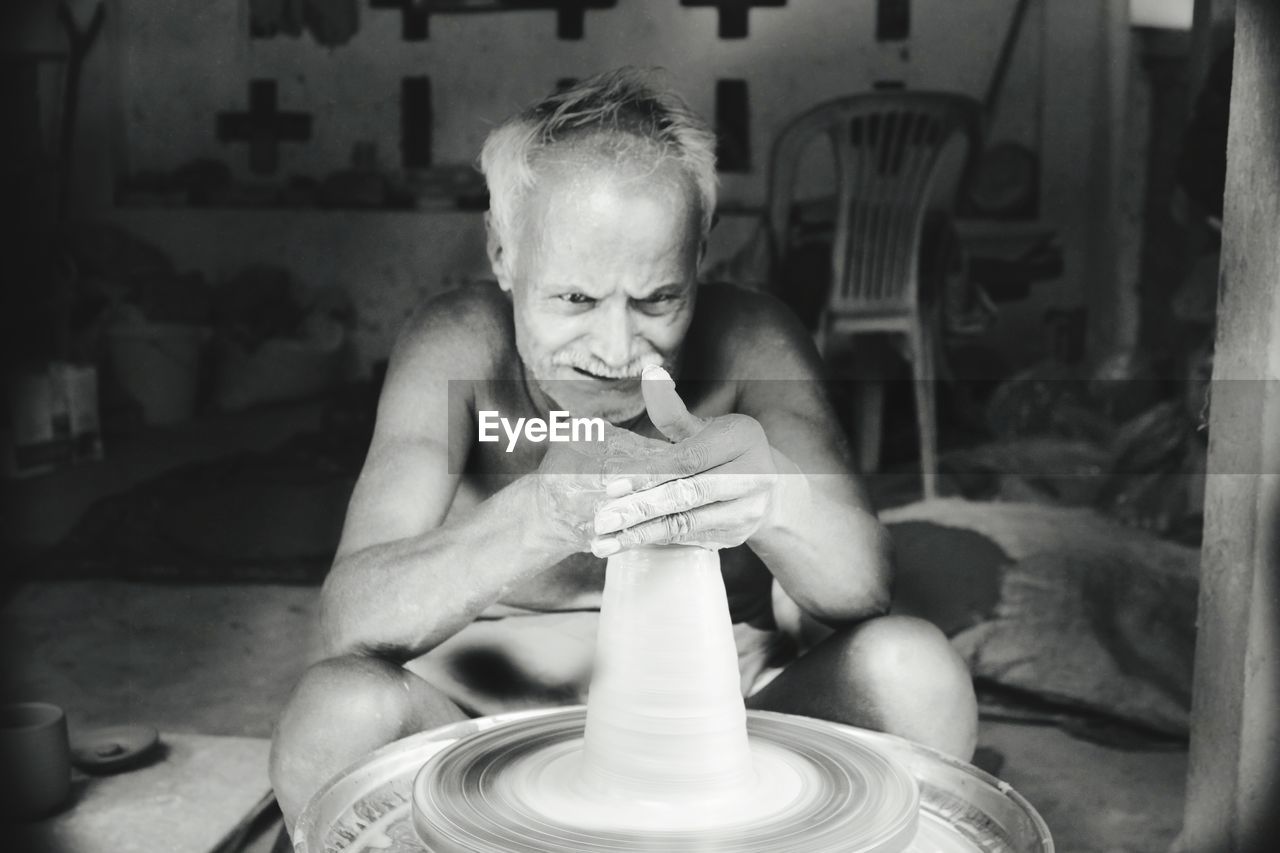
<point>714,486</point>
<point>570,483</point>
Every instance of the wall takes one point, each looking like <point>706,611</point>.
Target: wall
<point>387,261</point>
<point>180,65</point>
<point>164,69</point>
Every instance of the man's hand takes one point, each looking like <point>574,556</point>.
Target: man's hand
<point>714,486</point>
<point>570,484</point>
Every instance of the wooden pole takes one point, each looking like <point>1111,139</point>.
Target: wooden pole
<point>1086,62</point>
<point>1233,784</point>
<point>1114,316</point>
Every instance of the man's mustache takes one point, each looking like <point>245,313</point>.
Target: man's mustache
<point>632,370</point>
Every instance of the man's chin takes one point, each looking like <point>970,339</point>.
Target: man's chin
<point>582,400</point>
<point>621,412</point>
<point>623,416</point>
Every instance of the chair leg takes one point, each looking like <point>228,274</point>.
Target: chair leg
<point>868,400</point>
<point>924,376</point>
<point>821,337</point>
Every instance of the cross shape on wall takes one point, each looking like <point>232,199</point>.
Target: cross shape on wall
<point>733,14</point>
<point>733,127</point>
<point>413,16</point>
<point>263,127</point>
<point>570,14</point>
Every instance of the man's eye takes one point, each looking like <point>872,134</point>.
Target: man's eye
<point>576,298</point>
<point>658,298</point>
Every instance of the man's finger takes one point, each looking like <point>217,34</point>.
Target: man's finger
<point>704,526</point>
<point>704,454</point>
<point>671,497</point>
<point>666,410</point>
<point>719,441</point>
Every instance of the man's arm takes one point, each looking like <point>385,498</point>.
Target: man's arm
<point>775,475</point>
<point>402,582</point>
<point>822,541</point>
<point>823,544</point>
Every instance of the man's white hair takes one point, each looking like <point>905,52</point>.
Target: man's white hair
<point>614,110</point>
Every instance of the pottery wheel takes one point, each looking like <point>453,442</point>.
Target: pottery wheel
<point>511,789</point>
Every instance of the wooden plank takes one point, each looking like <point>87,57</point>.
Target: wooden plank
<point>1233,785</point>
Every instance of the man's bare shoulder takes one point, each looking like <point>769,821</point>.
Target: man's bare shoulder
<point>746,334</point>
<point>466,333</point>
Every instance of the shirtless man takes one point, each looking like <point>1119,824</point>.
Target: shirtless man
<point>465,569</point>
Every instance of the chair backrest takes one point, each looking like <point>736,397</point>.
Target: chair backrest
<point>887,147</point>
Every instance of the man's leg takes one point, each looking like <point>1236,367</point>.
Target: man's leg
<point>341,710</point>
<point>894,674</point>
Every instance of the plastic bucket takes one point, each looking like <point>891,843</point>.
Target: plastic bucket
<point>159,366</point>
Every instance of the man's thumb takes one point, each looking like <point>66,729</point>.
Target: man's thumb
<point>666,410</point>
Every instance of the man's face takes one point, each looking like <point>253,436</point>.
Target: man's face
<point>602,279</point>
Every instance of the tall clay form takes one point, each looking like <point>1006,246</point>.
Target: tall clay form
<point>665,715</point>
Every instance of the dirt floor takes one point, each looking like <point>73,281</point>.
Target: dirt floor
<point>221,659</point>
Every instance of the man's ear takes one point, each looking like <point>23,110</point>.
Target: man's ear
<point>706,238</point>
<point>497,256</point>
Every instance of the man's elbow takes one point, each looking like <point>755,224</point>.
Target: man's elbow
<point>874,601</point>
<point>856,605</point>
<point>343,637</point>
<point>868,590</point>
<point>341,631</point>
<point>879,572</point>
<point>339,634</point>
<point>351,625</point>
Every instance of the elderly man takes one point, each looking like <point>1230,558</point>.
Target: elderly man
<point>469,573</point>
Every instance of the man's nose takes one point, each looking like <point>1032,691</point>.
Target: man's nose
<point>614,335</point>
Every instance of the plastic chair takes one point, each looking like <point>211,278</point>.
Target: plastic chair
<point>887,148</point>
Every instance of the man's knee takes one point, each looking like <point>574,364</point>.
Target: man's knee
<point>921,685</point>
<point>352,689</point>
<point>900,647</point>
<point>340,709</point>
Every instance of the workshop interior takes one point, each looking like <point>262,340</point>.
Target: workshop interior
<point>1032,243</point>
